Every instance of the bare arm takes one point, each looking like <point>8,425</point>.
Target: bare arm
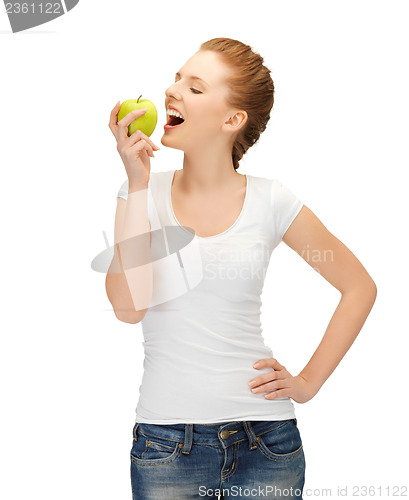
<point>339,266</point>
<point>130,290</point>
<point>129,278</point>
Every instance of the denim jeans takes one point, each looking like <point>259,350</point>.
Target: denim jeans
<point>239,459</point>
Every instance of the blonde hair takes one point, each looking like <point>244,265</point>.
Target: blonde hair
<point>251,89</point>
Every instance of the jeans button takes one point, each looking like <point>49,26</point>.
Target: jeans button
<point>224,434</point>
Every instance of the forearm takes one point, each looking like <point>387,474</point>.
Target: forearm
<point>129,280</point>
<point>136,221</point>
<point>343,328</point>
<point>134,246</point>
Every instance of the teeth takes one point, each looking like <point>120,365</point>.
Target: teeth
<point>172,112</point>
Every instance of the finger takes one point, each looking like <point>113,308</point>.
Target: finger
<point>128,119</point>
<point>276,365</point>
<point>148,148</point>
<point>113,118</point>
<point>280,393</point>
<point>140,146</point>
<point>138,135</point>
<point>270,362</point>
<point>262,379</point>
<point>270,386</point>
<point>261,363</point>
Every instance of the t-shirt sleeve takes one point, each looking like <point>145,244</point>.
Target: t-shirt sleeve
<point>285,205</point>
<point>123,191</point>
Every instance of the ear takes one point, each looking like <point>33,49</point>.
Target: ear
<point>237,120</point>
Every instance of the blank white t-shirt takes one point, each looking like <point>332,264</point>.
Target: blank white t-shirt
<point>200,346</point>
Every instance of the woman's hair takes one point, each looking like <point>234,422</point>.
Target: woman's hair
<point>251,88</point>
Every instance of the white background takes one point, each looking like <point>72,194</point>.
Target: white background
<point>337,138</point>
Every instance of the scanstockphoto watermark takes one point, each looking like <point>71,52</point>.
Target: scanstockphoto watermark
<point>24,15</point>
<point>315,256</point>
<point>256,492</point>
<point>229,262</point>
<point>173,263</point>
<point>232,263</point>
<point>350,491</point>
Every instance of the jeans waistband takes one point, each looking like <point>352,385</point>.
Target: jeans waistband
<point>225,433</point>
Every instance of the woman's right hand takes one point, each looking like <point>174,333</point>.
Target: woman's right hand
<point>135,149</point>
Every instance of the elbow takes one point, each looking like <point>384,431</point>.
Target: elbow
<point>365,287</point>
<point>374,290</point>
<point>131,318</point>
<point>369,289</point>
<point>122,306</point>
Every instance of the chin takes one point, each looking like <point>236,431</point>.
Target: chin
<point>166,141</point>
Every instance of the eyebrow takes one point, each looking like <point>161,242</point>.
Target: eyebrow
<point>192,78</point>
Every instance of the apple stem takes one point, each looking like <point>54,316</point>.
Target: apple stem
<point>139,98</point>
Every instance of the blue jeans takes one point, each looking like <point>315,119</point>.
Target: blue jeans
<point>240,459</point>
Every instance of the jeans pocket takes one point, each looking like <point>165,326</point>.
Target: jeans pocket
<point>138,447</point>
<point>283,442</point>
<point>154,450</point>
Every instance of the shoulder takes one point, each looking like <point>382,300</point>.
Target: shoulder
<point>282,195</point>
<point>267,182</point>
<point>271,188</point>
<point>260,185</point>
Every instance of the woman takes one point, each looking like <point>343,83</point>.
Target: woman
<point>209,419</point>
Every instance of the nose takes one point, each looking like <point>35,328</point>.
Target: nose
<point>172,92</point>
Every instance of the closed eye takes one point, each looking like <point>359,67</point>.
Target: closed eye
<point>194,91</point>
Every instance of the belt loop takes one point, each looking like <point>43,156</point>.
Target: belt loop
<point>187,445</point>
<point>135,431</point>
<point>250,434</point>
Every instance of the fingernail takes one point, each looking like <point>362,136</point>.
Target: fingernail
<point>256,365</point>
<point>251,384</point>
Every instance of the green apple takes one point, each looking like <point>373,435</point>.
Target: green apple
<point>147,122</point>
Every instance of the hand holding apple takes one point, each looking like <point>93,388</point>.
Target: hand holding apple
<point>134,150</point>
<point>147,122</point>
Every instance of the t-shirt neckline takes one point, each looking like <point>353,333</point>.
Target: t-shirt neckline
<point>235,223</point>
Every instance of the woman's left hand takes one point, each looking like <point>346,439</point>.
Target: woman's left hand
<point>297,388</point>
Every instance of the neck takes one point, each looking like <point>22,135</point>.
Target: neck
<point>207,172</point>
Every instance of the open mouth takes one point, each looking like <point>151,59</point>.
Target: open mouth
<point>174,121</point>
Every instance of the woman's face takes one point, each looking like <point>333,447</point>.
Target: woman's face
<point>202,103</point>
